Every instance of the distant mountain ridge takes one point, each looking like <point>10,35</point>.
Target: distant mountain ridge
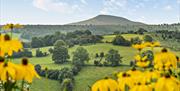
<point>107,20</point>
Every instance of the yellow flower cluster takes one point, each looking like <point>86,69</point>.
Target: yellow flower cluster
<point>165,60</point>
<point>146,44</point>
<point>135,80</point>
<point>13,72</point>
<point>8,45</point>
<point>10,72</point>
<point>157,79</point>
<point>142,61</point>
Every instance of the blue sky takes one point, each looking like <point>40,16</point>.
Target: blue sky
<point>67,11</point>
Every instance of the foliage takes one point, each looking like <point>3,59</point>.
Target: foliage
<point>50,50</point>
<point>141,31</point>
<point>60,53</point>
<point>24,53</point>
<point>71,39</point>
<point>148,38</point>
<point>39,53</point>
<point>120,40</point>
<point>113,57</point>
<point>37,42</point>
<point>67,85</point>
<point>80,55</point>
<point>136,40</point>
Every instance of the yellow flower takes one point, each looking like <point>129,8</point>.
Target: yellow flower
<point>137,58</point>
<point>134,72</point>
<point>143,64</point>
<point>125,80</point>
<point>28,72</point>
<point>138,46</point>
<point>11,26</point>
<point>8,46</point>
<point>165,60</point>
<point>142,87</point>
<point>147,44</point>
<point>167,83</point>
<point>105,85</point>
<point>142,61</point>
<point>7,71</point>
<point>152,74</point>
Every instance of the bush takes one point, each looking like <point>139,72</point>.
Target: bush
<point>96,63</point>
<point>25,53</point>
<point>65,73</point>
<point>39,53</point>
<point>136,40</point>
<point>120,40</point>
<point>50,50</point>
<point>148,38</point>
<point>67,85</point>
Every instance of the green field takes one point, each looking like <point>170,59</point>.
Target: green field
<point>89,74</point>
<point>109,38</point>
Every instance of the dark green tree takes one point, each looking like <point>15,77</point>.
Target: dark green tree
<point>60,52</point>
<point>120,40</point>
<point>80,56</point>
<point>148,38</point>
<point>37,42</point>
<point>113,57</point>
<point>136,40</point>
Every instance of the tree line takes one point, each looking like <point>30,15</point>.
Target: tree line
<point>71,38</point>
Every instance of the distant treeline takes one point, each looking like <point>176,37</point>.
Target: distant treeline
<point>31,31</point>
<point>71,39</point>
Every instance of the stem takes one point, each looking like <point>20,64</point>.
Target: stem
<point>22,85</point>
<point>11,33</point>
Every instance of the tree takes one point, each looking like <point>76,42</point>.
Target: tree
<point>60,53</point>
<point>120,40</point>
<point>113,57</point>
<point>136,40</point>
<point>148,38</point>
<point>141,31</point>
<point>39,53</point>
<point>37,42</point>
<point>80,56</point>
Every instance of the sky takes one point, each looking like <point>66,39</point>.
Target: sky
<point>68,11</point>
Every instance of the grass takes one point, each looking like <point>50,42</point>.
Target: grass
<point>109,38</point>
<point>44,84</point>
<point>89,74</point>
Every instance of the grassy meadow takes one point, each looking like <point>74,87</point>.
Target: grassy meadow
<point>89,74</point>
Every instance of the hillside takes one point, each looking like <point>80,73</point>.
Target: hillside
<point>107,20</point>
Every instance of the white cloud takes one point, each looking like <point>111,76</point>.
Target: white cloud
<point>110,6</point>
<point>57,6</point>
<point>168,8</point>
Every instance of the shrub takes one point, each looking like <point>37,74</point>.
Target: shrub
<point>113,57</point>
<point>24,53</point>
<point>148,38</point>
<point>120,40</point>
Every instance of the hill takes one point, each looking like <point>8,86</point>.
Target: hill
<point>107,20</point>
